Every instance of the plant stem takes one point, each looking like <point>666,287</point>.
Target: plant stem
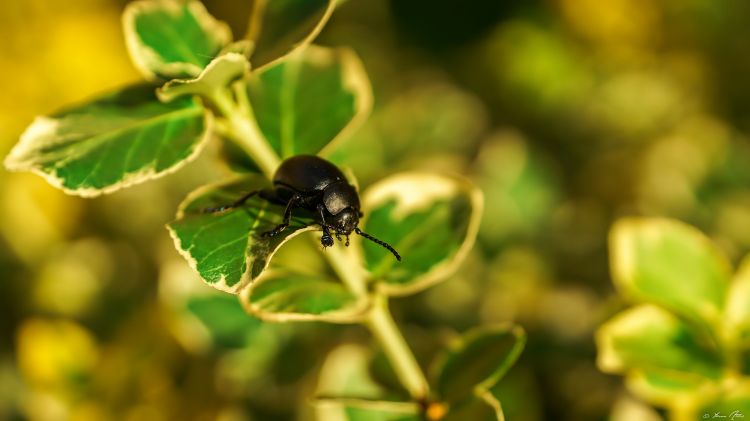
<point>245,131</point>
<point>396,349</point>
<point>380,322</point>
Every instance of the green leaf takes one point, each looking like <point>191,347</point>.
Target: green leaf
<point>650,338</point>
<point>172,39</point>
<point>737,314</point>
<point>114,141</point>
<point>226,248</point>
<point>280,27</point>
<point>217,76</point>
<point>665,387</point>
<point>431,220</point>
<point>671,264</point>
<point>309,100</point>
<point>223,316</point>
<point>478,361</point>
<point>357,409</point>
<point>285,296</point>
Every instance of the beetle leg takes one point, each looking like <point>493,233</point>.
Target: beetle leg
<point>326,239</point>
<point>236,204</point>
<point>347,241</point>
<point>291,204</point>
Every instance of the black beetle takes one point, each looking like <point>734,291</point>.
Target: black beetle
<point>314,184</point>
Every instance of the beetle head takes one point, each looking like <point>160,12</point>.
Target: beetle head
<point>345,221</point>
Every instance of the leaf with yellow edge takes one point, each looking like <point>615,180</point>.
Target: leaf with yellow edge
<point>282,296</point>
<point>431,220</point>
<point>671,264</point>
<point>647,337</point>
<point>217,76</point>
<point>112,142</point>
<point>310,100</point>
<point>281,27</point>
<point>172,39</point>
<point>227,248</point>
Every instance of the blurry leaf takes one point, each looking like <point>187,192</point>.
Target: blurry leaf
<point>671,264</point>
<point>55,353</point>
<point>280,27</point>
<point>354,409</point>
<point>172,39</point>
<point>483,406</point>
<point>521,191</point>
<point>478,362</point>
<point>347,392</point>
<point>226,248</point>
<point>217,76</point>
<point>310,99</point>
<point>112,142</point>
<point>285,296</point>
<point>431,220</point>
<point>538,68</point>
<point>738,305</point>
<point>664,387</point>
<point>733,403</point>
<point>649,338</point>
<point>224,318</point>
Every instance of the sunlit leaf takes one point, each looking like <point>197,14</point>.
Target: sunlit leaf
<point>309,100</point>
<point>664,387</point>
<point>478,361</point>
<point>649,338</point>
<point>285,296</point>
<point>431,220</point>
<point>671,264</point>
<point>227,248</point>
<point>169,39</point>
<point>114,141</point>
<point>280,27</point>
<point>218,75</point>
<point>738,305</point>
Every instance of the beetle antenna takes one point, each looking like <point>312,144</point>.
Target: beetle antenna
<point>376,241</point>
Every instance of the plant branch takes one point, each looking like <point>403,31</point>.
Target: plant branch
<point>380,322</point>
<point>245,132</point>
<point>396,349</point>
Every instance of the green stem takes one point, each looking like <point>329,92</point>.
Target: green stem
<point>396,349</point>
<point>245,131</point>
<point>381,323</point>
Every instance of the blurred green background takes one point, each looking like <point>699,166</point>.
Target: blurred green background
<point>567,113</point>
